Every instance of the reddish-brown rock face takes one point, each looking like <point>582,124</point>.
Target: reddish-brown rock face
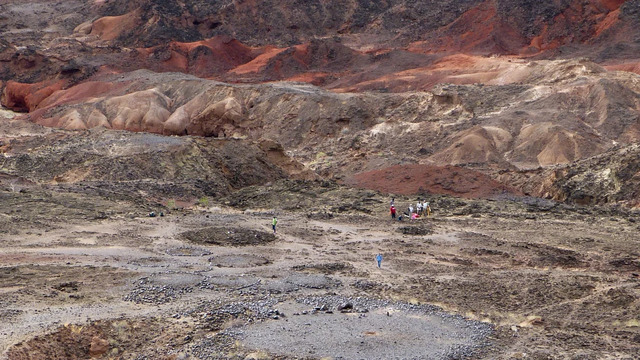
<point>330,44</point>
<point>418,178</point>
<point>27,97</point>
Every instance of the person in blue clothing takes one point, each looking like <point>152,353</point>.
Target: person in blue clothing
<point>379,259</point>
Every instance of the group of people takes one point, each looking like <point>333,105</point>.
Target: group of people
<point>421,209</point>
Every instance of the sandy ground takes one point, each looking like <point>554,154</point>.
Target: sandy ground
<point>480,279</point>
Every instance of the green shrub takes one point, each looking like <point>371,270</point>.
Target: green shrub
<point>171,204</point>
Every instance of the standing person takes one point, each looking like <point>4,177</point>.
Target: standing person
<point>274,222</point>
<point>410,209</point>
<point>419,207</point>
<point>379,259</point>
<point>428,208</point>
<point>393,201</point>
<point>393,212</point>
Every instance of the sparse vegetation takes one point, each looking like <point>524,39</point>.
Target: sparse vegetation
<point>171,204</point>
<point>203,202</point>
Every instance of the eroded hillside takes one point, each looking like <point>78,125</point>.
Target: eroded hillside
<point>489,85</point>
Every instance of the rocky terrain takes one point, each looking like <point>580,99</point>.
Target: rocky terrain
<point>86,272</point>
<point>147,145</point>
<point>492,86</point>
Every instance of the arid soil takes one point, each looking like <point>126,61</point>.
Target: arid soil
<point>87,272</point>
<point>86,275</point>
<point>415,179</point>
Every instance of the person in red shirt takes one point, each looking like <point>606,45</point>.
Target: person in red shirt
<point>393,212</point>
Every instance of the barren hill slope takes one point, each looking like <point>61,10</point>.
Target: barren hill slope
<point>282,38</point>
<point>189,167</point>
<point>491,85</point>
<point>558,112</point>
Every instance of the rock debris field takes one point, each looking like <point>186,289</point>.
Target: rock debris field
<point>480,279</point>
<point>363,328</point>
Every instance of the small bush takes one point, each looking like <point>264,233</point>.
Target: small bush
<point>171,204</point>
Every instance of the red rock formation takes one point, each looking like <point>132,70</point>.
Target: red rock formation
<point>111,27</point>
<point>348,47</point>
<point>207,58</point>
<point>429,179</point>
<point>479,30</point>
<point>26,97</point>
<point>633,67</point>
<point>485,29</point>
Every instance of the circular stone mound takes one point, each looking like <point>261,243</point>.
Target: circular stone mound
<point>328,268</point>
<point>150,261</point>
<point>238,261</point>
<point>377,330</point>
<point>224,236</point>
<point>177,279</point>
<point>187,251</point>
<point>416,230</point>
<point>312,281</point>
<point>234,281</point>
<point>164,288</point>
